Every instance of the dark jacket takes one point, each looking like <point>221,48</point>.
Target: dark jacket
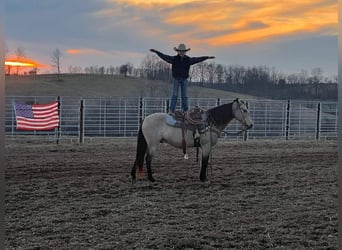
<point>181,65</point>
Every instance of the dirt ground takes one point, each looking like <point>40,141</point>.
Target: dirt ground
<point>260,195</point>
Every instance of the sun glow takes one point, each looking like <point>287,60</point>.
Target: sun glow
<point>19,64</point>
<point>15,65</point>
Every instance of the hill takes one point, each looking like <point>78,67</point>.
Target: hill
<point>85,85</point>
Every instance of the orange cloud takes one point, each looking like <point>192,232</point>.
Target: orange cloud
<point>93,52</point>
<point>151,3</point>
<point>222,22</point>
<point>84,52</point>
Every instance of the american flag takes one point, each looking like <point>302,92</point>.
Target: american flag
<point>37,116</point>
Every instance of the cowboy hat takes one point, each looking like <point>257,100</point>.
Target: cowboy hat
<point>181,47</point>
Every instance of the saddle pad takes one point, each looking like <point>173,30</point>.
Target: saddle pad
<point>170,120</point>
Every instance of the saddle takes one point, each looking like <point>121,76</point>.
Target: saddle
<point>195,120</point>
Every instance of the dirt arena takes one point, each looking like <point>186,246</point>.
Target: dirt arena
<point>261,195</point>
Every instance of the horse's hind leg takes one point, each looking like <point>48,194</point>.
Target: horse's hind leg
<point>133,171</point>
<point>149,168</point>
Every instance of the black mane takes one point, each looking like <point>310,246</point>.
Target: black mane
<point>221,115</point>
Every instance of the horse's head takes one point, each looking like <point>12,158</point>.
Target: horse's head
<point>241,113</point>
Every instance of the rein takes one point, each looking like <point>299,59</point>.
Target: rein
<point>235,134</point>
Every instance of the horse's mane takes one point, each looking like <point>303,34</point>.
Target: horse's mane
<point>221,115</point>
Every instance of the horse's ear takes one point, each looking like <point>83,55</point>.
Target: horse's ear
<point>236,100</point>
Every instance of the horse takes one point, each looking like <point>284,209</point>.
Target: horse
<point>154,130</point>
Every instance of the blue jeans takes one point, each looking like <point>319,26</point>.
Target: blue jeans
<point>183,83</point>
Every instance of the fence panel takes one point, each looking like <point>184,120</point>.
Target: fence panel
<point>303,119</point>
<point>269,119</point>
<point>120,117</point>
<point>69,116</point>
<point>111,117</point>
<point>328,120</point>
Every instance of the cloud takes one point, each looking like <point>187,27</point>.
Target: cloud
<point>222,22</point>
<point>84,52</point>
<point>91,52</point>
<point>112,32</point>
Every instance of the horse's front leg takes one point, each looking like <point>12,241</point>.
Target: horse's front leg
<point>204,165</point>
<point>149,168</point>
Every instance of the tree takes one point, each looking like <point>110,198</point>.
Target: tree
<point>149,66</point>
<point>124,70</point>
<point>8,67</point>
<point>56,60</point>
<point>74,69</point>
<point>317,75</point>
<point>20,54</point>
<point>220,70</point>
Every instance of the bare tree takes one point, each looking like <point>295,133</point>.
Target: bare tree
<point>124,70</point>
<point>56,60</point>
<point>8,67</point>
<point>317,75</point>
<point>74,69</point>
<point>20,54</point>
<point>211,72</point>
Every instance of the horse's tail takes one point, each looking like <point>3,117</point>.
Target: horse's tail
<point>141,150</point>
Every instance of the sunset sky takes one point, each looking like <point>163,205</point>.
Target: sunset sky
<point>288,35</point>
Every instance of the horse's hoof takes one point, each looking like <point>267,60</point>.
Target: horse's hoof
<point>133,180</point>
<point>151,179</point>
<point>203,178</point>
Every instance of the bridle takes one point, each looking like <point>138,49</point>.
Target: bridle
<point>242,115</point>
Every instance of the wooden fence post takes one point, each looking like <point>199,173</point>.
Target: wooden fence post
<point>141,107</point>
<point>318,121</point>
<point>81,122</point>
<point>245,134</point>
<point>167,105</point>
<point>60,119</point>
<point>287,122</point>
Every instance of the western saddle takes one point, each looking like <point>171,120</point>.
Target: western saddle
<point>195,120</point>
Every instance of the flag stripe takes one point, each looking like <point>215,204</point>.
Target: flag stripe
<point>37,116</point>
<point>46,115</point>
<point>37,121</point>
<point>26,127</point>
<point>45,106</point>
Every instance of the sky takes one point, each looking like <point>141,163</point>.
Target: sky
<point>289,35</point>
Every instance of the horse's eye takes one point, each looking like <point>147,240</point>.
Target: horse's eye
<point>245,111</point>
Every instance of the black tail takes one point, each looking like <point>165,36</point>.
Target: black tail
<point>141,150</point>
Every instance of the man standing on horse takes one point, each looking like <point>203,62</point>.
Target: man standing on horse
<point>180,72</point>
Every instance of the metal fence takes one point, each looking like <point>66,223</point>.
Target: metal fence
<point>120,117</point>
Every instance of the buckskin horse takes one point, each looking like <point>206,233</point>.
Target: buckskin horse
<point>201,130</point>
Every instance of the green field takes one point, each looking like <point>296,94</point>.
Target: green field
<point>83,85</point>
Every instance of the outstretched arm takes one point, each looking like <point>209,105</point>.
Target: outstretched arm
<point>166,58</point>
<point>194,60</point>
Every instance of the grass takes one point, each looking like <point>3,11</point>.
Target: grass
<point>83,85</point>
